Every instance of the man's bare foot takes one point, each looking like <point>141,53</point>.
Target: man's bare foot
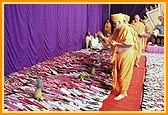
<point>120,96</point>
<point>137,65</point>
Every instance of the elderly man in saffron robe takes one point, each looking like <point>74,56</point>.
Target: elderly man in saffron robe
<point>122,56</point>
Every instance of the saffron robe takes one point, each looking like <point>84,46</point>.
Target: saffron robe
<point>123,61</point>
<point>107,27</point>
<point>140,28</point>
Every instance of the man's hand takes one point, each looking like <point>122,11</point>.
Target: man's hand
<point>111,61</point>
<point>113,43</point>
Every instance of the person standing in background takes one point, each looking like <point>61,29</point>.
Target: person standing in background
<point>134,33</point>
<point>140,29</point>
<point>107,28</point>
<point>146,34</point>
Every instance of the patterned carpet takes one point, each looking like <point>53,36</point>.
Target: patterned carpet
<point>153,90</point>
<point>68,84</point>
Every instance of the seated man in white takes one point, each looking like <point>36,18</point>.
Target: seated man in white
<point>95,42</point>
<point>88,39</point>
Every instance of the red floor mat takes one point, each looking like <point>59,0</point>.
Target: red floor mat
<point>133,101</point>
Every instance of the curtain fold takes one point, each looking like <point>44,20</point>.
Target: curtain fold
<point>37,32</point>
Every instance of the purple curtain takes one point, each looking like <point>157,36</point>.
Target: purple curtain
<point>37,32</point>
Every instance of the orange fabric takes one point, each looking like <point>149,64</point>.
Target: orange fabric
<point>145,38</point>
<point>124,61</point>
<point>135,39</point>
<point>135,36</point>
<point>163,12</point>
<point>125,69</point>
<point>117,17</point>
<point>139,27</point>
<point>107,27</point>
<point>115,48</point>
<point>124,35</point>
<point>127,17</point>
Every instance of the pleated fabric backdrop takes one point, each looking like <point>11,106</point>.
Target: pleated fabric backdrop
<point>36,32</point>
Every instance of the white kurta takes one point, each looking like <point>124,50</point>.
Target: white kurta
<point>94,42</point>
<point>88,40</point>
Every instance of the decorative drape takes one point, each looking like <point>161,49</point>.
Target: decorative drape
<point>37,32</point>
